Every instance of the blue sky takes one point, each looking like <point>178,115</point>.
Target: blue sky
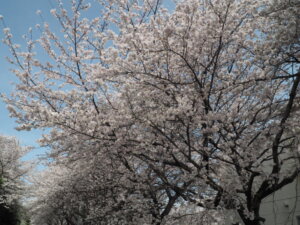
<point>18,15</point>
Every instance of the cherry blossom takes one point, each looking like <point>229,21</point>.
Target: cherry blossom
<point>186,107</point>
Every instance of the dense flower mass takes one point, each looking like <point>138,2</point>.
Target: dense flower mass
<point>12,169</point>
<point>157,115</point>
<point>12,186</point>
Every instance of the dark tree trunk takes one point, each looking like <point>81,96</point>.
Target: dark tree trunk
<point>257,220</point>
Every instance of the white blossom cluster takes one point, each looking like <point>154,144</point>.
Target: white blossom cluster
<point>12,170</point>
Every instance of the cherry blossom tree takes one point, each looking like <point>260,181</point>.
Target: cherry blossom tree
<point>12,169</point>
<point>197,106</point>
<point>12,187</point>
<point>90,192</point>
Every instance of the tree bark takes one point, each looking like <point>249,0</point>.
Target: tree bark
<point>257,220</point>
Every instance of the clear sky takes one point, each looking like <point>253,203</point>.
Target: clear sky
<point>18,15</point>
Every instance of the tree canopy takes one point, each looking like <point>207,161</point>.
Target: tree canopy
<point>157,114</point>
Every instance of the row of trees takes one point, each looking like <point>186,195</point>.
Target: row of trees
<point>158,115</point>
